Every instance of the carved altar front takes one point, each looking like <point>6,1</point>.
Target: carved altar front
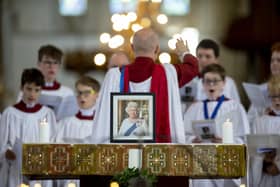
<point>74,160</point>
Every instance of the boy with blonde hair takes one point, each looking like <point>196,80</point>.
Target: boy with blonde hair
<point>76,128</point>
<point>265,167</point>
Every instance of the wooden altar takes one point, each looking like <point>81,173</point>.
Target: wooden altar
<point>173,160</point>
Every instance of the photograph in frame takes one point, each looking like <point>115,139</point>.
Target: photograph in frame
<point>132,117</point>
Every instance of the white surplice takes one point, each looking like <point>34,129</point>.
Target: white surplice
<point>14,124</point>
<point>240,129</point>
<point>264,124</point>
<point>255,111</point>
<point>74,129</point>
<point>62,92</point>
<point>101,132</point>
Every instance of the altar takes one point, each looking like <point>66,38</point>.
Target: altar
<point>101,161</point>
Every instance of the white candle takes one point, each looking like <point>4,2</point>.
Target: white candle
<point>135,158</point>
<point>44,131</point>
<point>23,185</point>
<point>242,185</point>
<point>114,184</point>
<point>37,185</point>
<point>71,184</point>
<point>227,132</point>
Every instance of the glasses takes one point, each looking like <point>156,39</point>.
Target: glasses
<point>85,93</point>
<point>50,62</point>
<point>211,82</point>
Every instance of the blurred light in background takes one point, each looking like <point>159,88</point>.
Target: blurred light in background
<point>99,59</point>
<point>72,7</point>
<point>104,37</point>
<point>164,58</point>
<point>116,41</point>
<point>162,19</point>
<point>189,34</point>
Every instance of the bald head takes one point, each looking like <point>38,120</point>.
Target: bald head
<point>145,43</point>
<point>118,59</point>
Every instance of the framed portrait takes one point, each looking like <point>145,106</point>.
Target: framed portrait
<point>132,117</point>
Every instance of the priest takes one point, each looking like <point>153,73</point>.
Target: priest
<point>144,75</point>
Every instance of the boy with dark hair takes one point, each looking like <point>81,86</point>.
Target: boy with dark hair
<point>51,51</point>
<point>22,121</point>
<point>216,107</point>
<point>208,52</point>
<point>49,62</point>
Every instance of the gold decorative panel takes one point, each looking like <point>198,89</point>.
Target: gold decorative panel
<point>194,160</point>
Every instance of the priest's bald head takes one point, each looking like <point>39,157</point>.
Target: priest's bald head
<point>146,43</point>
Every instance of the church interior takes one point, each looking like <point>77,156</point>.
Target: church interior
<point>90,31</point>
<point>245,30</point>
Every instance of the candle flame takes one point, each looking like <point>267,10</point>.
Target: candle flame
<point>114,184</point>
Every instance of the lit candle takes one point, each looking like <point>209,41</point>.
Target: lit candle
<point>44,131</point>
<point>23,185</point>
<point>227,132</point>
<point>135,158</point>
<point>114,184</point>
<point>71,184</point>
<point>37,185</point>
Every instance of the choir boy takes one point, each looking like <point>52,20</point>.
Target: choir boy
<point>216,107</point>
<point>22,121</point>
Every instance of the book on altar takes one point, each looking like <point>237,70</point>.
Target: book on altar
<point>262,143</point>
<point>62,106</point>
<point>256,95</point>
<point>204,129</point>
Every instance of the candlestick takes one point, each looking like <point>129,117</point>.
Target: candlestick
<point>135,158</point>
<point>227,132</point>
<point>44,131</point>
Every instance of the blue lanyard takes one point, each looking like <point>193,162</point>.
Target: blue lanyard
<point>217,107</point>
<point>122,80</point>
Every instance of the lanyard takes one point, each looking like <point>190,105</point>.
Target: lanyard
<point>122,80</point>
<point>217,107</point>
